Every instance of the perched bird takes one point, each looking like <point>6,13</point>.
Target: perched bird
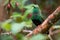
<point>36,17</point>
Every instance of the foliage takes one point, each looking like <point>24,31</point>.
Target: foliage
<point>18,22</point>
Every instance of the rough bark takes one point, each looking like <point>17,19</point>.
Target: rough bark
<point>1,10</point>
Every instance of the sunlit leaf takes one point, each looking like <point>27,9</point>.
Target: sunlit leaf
<point>6,25</point>
<point>17,27</point>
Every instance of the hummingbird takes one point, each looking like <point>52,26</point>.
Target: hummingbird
<point>36,17</point>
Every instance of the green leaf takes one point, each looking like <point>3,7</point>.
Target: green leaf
<point>6,37</point>
<point>20,36</point>
<point>17,27</point>
<point>6,25</point>
<point>39,37</point>
<point>16,14</point>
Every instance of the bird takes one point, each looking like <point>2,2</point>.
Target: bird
<point>36,17</point>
